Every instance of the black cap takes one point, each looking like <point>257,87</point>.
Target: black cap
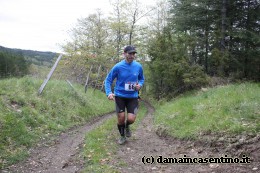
<point>130,49</point>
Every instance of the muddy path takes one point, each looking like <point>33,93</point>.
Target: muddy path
<point>61,155</point>
<point>145,145</point>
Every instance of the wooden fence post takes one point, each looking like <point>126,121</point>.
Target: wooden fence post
<point>49,75</point>
<point>86,84</point>
<point>97,77</point>
<point>103,84</point>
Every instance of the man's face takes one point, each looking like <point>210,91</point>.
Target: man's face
<point>130,57</point>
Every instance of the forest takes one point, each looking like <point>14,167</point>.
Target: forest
<point>182,44</point>
<point>12,65</point>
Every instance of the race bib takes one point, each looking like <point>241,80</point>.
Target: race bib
<point>130,86</point>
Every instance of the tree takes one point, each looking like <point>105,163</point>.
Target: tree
<point>170,68</point>
<point>12,65</point>
<point>118,25</point>
<point>230,27</point>
<point>89,46</point>
<point>126,25</point>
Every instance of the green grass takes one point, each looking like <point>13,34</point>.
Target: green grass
<point>101,144</point>
<point>232,109</point>
<point>26,118</point>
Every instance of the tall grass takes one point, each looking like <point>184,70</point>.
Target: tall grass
<point>26,118</point>
<point>232,109</point>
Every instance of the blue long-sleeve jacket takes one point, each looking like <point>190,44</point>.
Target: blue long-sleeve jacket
<point>127,75</point>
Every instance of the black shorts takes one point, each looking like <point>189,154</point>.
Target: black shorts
<point>130,104</point>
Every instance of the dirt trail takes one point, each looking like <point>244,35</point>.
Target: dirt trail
<point>146,143</point>
<point>62,155</point>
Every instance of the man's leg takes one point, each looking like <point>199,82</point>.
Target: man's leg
<point>121,123</point>
<point>120,109</point>
<point>132,108</point>
<point>130,120</point>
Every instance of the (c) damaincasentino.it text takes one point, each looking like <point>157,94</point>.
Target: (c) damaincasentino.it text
<point>195,160</point>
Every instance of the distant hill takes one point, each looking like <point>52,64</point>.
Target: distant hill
<point>32,56</point>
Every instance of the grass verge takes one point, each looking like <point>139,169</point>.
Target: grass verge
<point>232,109</point>
<point>101,144</point>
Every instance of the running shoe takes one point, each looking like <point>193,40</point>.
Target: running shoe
<point>122,140</point>
<point>128,132</point>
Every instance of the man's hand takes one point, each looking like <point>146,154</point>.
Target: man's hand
<point>137,87</point>
<point>111,96</point>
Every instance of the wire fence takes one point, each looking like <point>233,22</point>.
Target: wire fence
<point>97,83</point>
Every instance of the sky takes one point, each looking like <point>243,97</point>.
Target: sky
<point>44,24</point>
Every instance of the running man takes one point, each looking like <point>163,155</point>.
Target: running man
<point>129,80</point>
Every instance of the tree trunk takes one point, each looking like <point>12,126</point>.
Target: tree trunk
<point>223,25</point>
<point>132,27</point>
<point>247,47</point>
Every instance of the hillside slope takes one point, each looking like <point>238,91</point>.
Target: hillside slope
<point>230,110</point>
<point>34,57</point>
<point>26,118</point>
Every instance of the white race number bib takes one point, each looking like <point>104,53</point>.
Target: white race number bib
<point>130,86</point>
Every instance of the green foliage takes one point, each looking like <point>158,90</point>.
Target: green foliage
<point>232,109</point>
<point>25,117</point>
<point>194,77</point>
<point>12,65</point>
<point>170,69</point>
<point>90,48</point>
<point>99,40</point>
<point>222,43</point>
<point>218,63</point>
<point>225,33</point>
